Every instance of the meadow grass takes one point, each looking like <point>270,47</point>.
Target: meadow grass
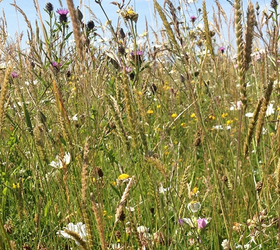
<point>112,139</point>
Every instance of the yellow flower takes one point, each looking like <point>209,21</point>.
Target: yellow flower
<point>229,122</point>
<point>104,213</point>
<point>183,124</point>
<point>123,177</point>
<point>174,115</point>
<point>211,117</point>
<point>224,115</point>
<point>195,189</point>
<point>158,106</point>
<point>150,111</point>
<point>193,115</point>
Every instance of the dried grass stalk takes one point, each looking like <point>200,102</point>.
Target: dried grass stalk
<point>99,222</point>
<point>77,237</point>
<point>249,35</point>
<point>114,108</point>
<point>184,181</point>
<point>252,127</point>
<point>206,29</point>
<point>4,90</point>
<point>84,195</point>
<point>166,24</point>
<point>263,112</point>
<point>123,200</point>
<point>76,27</point>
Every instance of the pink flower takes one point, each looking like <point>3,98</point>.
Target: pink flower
<point>193,18</point>
<point>222,49</point>
<point>201,223</point>
<point>62,12</point>
<point>54,64</point>
<point>14,74</point>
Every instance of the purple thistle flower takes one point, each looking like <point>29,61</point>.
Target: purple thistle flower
<point>14,74</point>
<point>62,15</point>
<point>62,12</point>
<point>222,49</point>
<point>202,223</point>
<point>138,53</point>
<point>193,18</point>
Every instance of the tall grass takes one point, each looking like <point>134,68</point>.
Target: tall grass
<point>112,139</point>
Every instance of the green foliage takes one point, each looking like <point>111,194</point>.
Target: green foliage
<point>168,116</point>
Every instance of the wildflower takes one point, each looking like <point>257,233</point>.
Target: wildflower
<point>150,112</point>
<point>138,53</point>
<point>189,222</point>
<point>90,25</point>
<point>143,232</point>
<point>174,115</point>
<point>195,191</point>
<point>229,122</point>
<point>224,115</point>
<point>130,14</point>
<point>75,117</point>
<point>225,244</point>
<point>273,4</point>
<point>201,223</point>
<point>183,124</point>
<point>211,117</point>
<point>236,106</point>
<point>14,74</point>
<point>49,7</point>
<point>222,49</point>
<point>270,110</point>
<point>194,206</point>
<point>54,64</point>
<point>193,115</point>
<point>193,18</point>
<point>79,229</point>
<point>163,190</point>
<point>249,115</point>
<point>123,177</point>
<point>62,15</point>
<point>181,222</point>
<point>60,162</point>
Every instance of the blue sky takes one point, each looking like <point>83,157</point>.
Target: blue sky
<point>16,23</point>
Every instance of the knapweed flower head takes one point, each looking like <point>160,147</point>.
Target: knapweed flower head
<point>54,64</point>
<point>49,7</point>
<point>90,25</point>
<point>222,49</point>
<point>14,74</point>
<point>138,53</point>
<point>71,229</point>
<point>61,161</point>
<point>62,15</point>
<point>194,206</point>
<point>193,18</point>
